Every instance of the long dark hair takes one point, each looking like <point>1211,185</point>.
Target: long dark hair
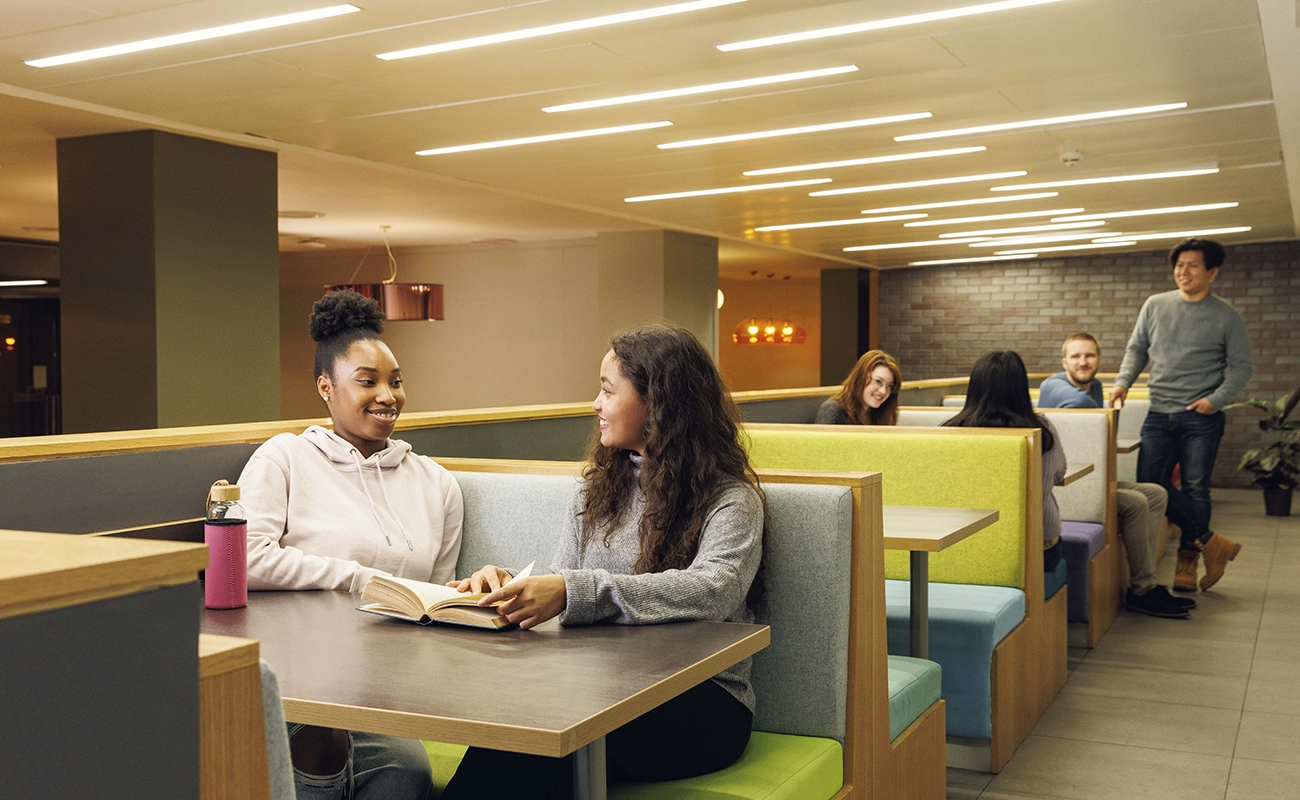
<point>998,397</point>
<point>850,394</point>
<point>692,447</point>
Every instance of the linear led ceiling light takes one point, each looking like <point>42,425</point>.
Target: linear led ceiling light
<point>854,162</point>
<point>979,201</point>
<point>881,24</point>
<point>1062,226</point>
<point>549,137</point>
<point>993,218</point>
<point>831,223</point>
<point>1175,234</point>
<point>561,27</point>
<point>195,36</point>
<point>1063,248</point>
<point>725,190</point>
<point>1143,212</point>
<point>978,260</point>
<point>1009,241</point>
<point>829,126</point>
<point>24,283</point>
<point>882,187</point>
<point>703,89</point>
<point>927,243</point>
<point>1042,123</point>
<point>1148,176</point>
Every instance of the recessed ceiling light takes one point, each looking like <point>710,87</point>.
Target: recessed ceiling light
<point>831,223</point>
<point>195,36</point>
<point>550,137</point>
<point>1041,123</point>
<point>1063,248</point>
<point>927,243</point>
<point>882,187</point>
<point>993,218</point>
<point>560,27</point>
<point>830,126</point>
<point>880,24</point>
<point>301,214</point>
<point>725,190</point>
<point>703,89</point>
<point>1177,234</point>
<point>1056,237</point>
<point>979,201</point>
<point>23,283</point>
<point>1148,176</point>
<point>1143,212</point>
<point>978,260</point>
<point>854,162</point>
<point>1060,226</point>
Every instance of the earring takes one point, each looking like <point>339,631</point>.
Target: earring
<point>327,398</point>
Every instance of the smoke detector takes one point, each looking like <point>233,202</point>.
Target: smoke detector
<point>1071,158</point>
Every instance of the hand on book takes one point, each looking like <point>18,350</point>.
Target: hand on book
<point>528,601</point>
<point>488,579</point>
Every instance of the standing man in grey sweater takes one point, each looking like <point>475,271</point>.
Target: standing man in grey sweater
<point>1199,352</point>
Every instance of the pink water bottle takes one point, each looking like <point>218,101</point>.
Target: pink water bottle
<point>225,532</point>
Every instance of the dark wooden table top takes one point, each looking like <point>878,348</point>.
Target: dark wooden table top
<point>548,691</point>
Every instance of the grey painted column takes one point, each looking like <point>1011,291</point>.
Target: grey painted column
<point>848,320</point>
<point>169,276</point>
<point>659,276</point>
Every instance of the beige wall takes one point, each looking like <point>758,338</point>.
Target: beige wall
<point>747,367</point>
<point>522,326</point>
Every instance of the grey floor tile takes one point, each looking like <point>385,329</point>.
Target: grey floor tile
<point>963,784</point>
<point>1273,690</point>
<point>1145,683</point>
<point>1214,619</point>
<point>1221,659</point>
<point>1141,723</point>
<point>1269,737</point>
<point>1263,780</point>
<point>1048,767</point>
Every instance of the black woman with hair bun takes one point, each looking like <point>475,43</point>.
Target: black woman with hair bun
<point>329,509</point>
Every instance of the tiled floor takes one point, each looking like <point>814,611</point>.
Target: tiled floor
<point>1199,709</point>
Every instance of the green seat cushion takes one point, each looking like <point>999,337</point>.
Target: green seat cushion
<point>775,766</point>
<point>914,685</point>
<point>444,759</point>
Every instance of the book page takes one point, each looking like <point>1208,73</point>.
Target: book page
<point>430,594</point>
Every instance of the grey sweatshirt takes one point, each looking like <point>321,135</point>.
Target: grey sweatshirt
<point>601,588</point>
<point>1195,350</point>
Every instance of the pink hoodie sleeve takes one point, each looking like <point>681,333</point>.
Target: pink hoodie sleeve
<point>264,486</point>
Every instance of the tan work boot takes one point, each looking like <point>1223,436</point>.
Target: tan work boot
<point>1185,574</point>
<point>1218,551</point>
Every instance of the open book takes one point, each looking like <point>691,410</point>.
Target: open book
<point>422,602</point>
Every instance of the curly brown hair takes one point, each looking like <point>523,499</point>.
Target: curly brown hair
<point>692,449</point>
<point>850,394</point>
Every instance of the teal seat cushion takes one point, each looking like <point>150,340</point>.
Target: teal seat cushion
<point>966,623</point>
<point>914,686</point>
<point>775,766</point>
<point>1054,580</point>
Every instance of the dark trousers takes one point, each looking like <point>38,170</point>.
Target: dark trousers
<point>1191,441</point>
<point>700,731</point>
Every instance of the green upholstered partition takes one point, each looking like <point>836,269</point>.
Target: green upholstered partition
<point>961,470</point>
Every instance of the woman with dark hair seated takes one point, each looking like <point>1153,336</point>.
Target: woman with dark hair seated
<point>869,395</point>
<point>998,397</point>
<point>329,509</point>
<point>667,525</point>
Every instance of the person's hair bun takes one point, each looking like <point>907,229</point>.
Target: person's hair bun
<point>342,311</point>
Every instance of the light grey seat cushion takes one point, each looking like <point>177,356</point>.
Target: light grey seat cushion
<point>277,737</point>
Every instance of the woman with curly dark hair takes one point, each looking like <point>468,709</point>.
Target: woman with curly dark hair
<point>667,525</point>
<point>329,509</point>
<point>869,395</point>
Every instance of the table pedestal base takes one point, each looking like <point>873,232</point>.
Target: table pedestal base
<point>589,771</point>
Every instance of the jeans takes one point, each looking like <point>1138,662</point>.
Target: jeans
<point>378,767</point>
<point>1190,440</point>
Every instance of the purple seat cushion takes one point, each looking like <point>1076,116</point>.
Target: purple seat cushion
<point>1080,542</point>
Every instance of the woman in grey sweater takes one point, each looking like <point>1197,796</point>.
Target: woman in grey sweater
<point>667,525</point>
<point>869,395</point>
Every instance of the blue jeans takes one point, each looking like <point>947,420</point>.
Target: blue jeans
<point>1190,440</point>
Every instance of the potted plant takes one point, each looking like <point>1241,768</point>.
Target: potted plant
<point>1276,465</point>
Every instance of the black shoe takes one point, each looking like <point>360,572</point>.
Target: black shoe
<point>1184,602</point>
<point>1155,604</point>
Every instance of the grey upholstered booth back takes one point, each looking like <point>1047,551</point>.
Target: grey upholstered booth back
<point>1131,418</point>
<point>801,679</point>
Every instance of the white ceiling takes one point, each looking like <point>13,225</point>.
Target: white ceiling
<point>347,124</point>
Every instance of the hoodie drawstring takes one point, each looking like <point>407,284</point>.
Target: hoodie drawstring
<point>398,517</point>
<point>375,511</point>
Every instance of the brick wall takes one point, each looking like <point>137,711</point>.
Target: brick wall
<point>936,321</point>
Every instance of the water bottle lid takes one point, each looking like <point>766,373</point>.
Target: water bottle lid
<point>224,493</point>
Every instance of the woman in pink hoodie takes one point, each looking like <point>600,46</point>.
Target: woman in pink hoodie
<point>329,509</point>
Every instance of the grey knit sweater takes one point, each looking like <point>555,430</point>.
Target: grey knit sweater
<point>601,588</point>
